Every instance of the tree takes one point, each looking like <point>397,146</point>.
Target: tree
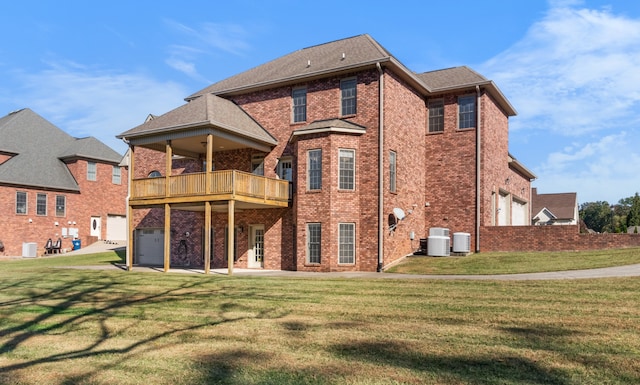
<point>597,216</point>
<point>633,218</point>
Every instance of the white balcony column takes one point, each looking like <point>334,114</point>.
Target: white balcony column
<point>167,237</point>
<point>168,167</point>
<point>207,237</point>
<point>209,163</point>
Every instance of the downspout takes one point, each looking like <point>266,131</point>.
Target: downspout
<point>380,167</point>
<point>478,162</point>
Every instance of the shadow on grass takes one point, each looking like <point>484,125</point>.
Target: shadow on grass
<point>90,302</point>
<point>464,369</point>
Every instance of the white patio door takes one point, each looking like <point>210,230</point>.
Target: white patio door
<point>256,247</point>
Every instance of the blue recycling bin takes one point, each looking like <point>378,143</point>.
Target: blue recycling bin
<point>76,244</point>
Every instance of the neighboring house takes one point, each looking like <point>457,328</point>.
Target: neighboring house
<point>335,157</point>
<point>53,185</point>
<point>554,209</point>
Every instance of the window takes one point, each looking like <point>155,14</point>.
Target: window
<point>21,202</point>
<point>346,179</point>
<point>466,112</point>
<point>392,171</point>
<point>116,176</point>
<point>314,173</point>
<point>257,165</point>
<point>285,169</point>
<point>299,96</point>
<point>314,235</point>
<point>436,115</point>
<point>346,245</point>
<point>91,170</point>
<point>348,96</point>
<point>154,174</point>
<point>41,204</point>
<point>61,205</point>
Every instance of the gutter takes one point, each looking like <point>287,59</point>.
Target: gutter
<point>380,167</point>
<point>478,163</point>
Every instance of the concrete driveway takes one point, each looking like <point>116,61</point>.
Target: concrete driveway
<point>607,272</point>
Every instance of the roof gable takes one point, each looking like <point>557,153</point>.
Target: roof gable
<point>561,205</point>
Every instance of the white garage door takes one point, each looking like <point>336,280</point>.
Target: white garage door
<point>519,213</point>
<point>116,228</point>
<point>149,247</point>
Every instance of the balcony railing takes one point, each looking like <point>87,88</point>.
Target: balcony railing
<point>223,185</point>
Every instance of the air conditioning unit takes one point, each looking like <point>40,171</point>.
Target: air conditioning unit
<point>438,246</point>
<point>461,242</point>
<point>439,231</point>
<point>29,249</point>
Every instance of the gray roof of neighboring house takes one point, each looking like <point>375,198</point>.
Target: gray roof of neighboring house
<point>40,149</point>
<point>451,78</point>
<point>207,111</point>
<point>561,205</point>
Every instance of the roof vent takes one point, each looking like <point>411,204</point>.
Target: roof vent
<point>344,55</point>
<point>308,63</point>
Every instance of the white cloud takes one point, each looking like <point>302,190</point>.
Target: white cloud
<point>579,66</point>
<point>204,40</point>
<point>88,102</point>
<point>605,169</point>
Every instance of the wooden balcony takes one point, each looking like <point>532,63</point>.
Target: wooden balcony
<point>221,185</point>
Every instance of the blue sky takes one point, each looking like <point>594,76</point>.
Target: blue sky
<point>571,68</point>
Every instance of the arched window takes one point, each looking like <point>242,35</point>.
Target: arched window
<point>155,174</point>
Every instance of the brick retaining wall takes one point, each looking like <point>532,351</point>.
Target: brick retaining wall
<point>550,238</point>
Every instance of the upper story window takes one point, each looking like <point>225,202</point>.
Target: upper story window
<point>436,115</point>
<point>61,205</point>
<point>392,171</point>
<point>285,169</point>
<point>314,170</point>
<point>21,202</point>
<point>41,204</point>
<point>116,175</point>
<point>154,174</point>
<point>466,112</point>
<point>91,170</point>
<point>299,96</point>
<point>257,164</point>
<point>348,96</point>
<point>346,169</point>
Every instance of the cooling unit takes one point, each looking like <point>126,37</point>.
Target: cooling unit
<point>439,231</point>
<point>461,242</point>
<point>438,246</point>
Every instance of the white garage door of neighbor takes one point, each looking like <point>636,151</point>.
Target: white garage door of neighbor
<point>150,247</point>
<point>116,228</point>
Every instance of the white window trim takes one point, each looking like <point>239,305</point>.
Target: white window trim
<point>475,112</point>
<point>353,244</point>
<point>309,170</point>
<point>94,173</point>
<point>355,96</point>
<point>64,214</point>
<point>440,100</point>
<point>353,151</point>
<point>26,202</point>
<point>46,209</point>
<point>308,259</point>
<point>393,171</point>
<point>293,105</point>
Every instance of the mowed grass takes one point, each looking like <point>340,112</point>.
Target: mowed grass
<point>522,262</point>
<point>68,326</point>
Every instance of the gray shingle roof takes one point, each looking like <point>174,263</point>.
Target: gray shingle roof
<point>304,63</point>
<point>561,205</point>
<point>205,111</point>
<point>40,147</point>
<point>448,78</point>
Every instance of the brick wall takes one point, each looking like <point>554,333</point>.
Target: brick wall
<point>550,238</point>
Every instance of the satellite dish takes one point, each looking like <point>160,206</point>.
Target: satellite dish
<point>399,213</point>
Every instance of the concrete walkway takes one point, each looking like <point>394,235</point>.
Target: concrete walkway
<point>607,272</point>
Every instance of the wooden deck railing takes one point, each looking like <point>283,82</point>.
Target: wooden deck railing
<point>227,183</point>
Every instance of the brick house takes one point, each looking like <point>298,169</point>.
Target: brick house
<point>53,185</point>
<point>335,157</point>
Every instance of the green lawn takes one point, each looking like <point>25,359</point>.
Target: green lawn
<point>510,263</point>
<point>67,326</point>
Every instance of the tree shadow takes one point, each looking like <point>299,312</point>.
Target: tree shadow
<point>464,369</point>
<point>82,303</point>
